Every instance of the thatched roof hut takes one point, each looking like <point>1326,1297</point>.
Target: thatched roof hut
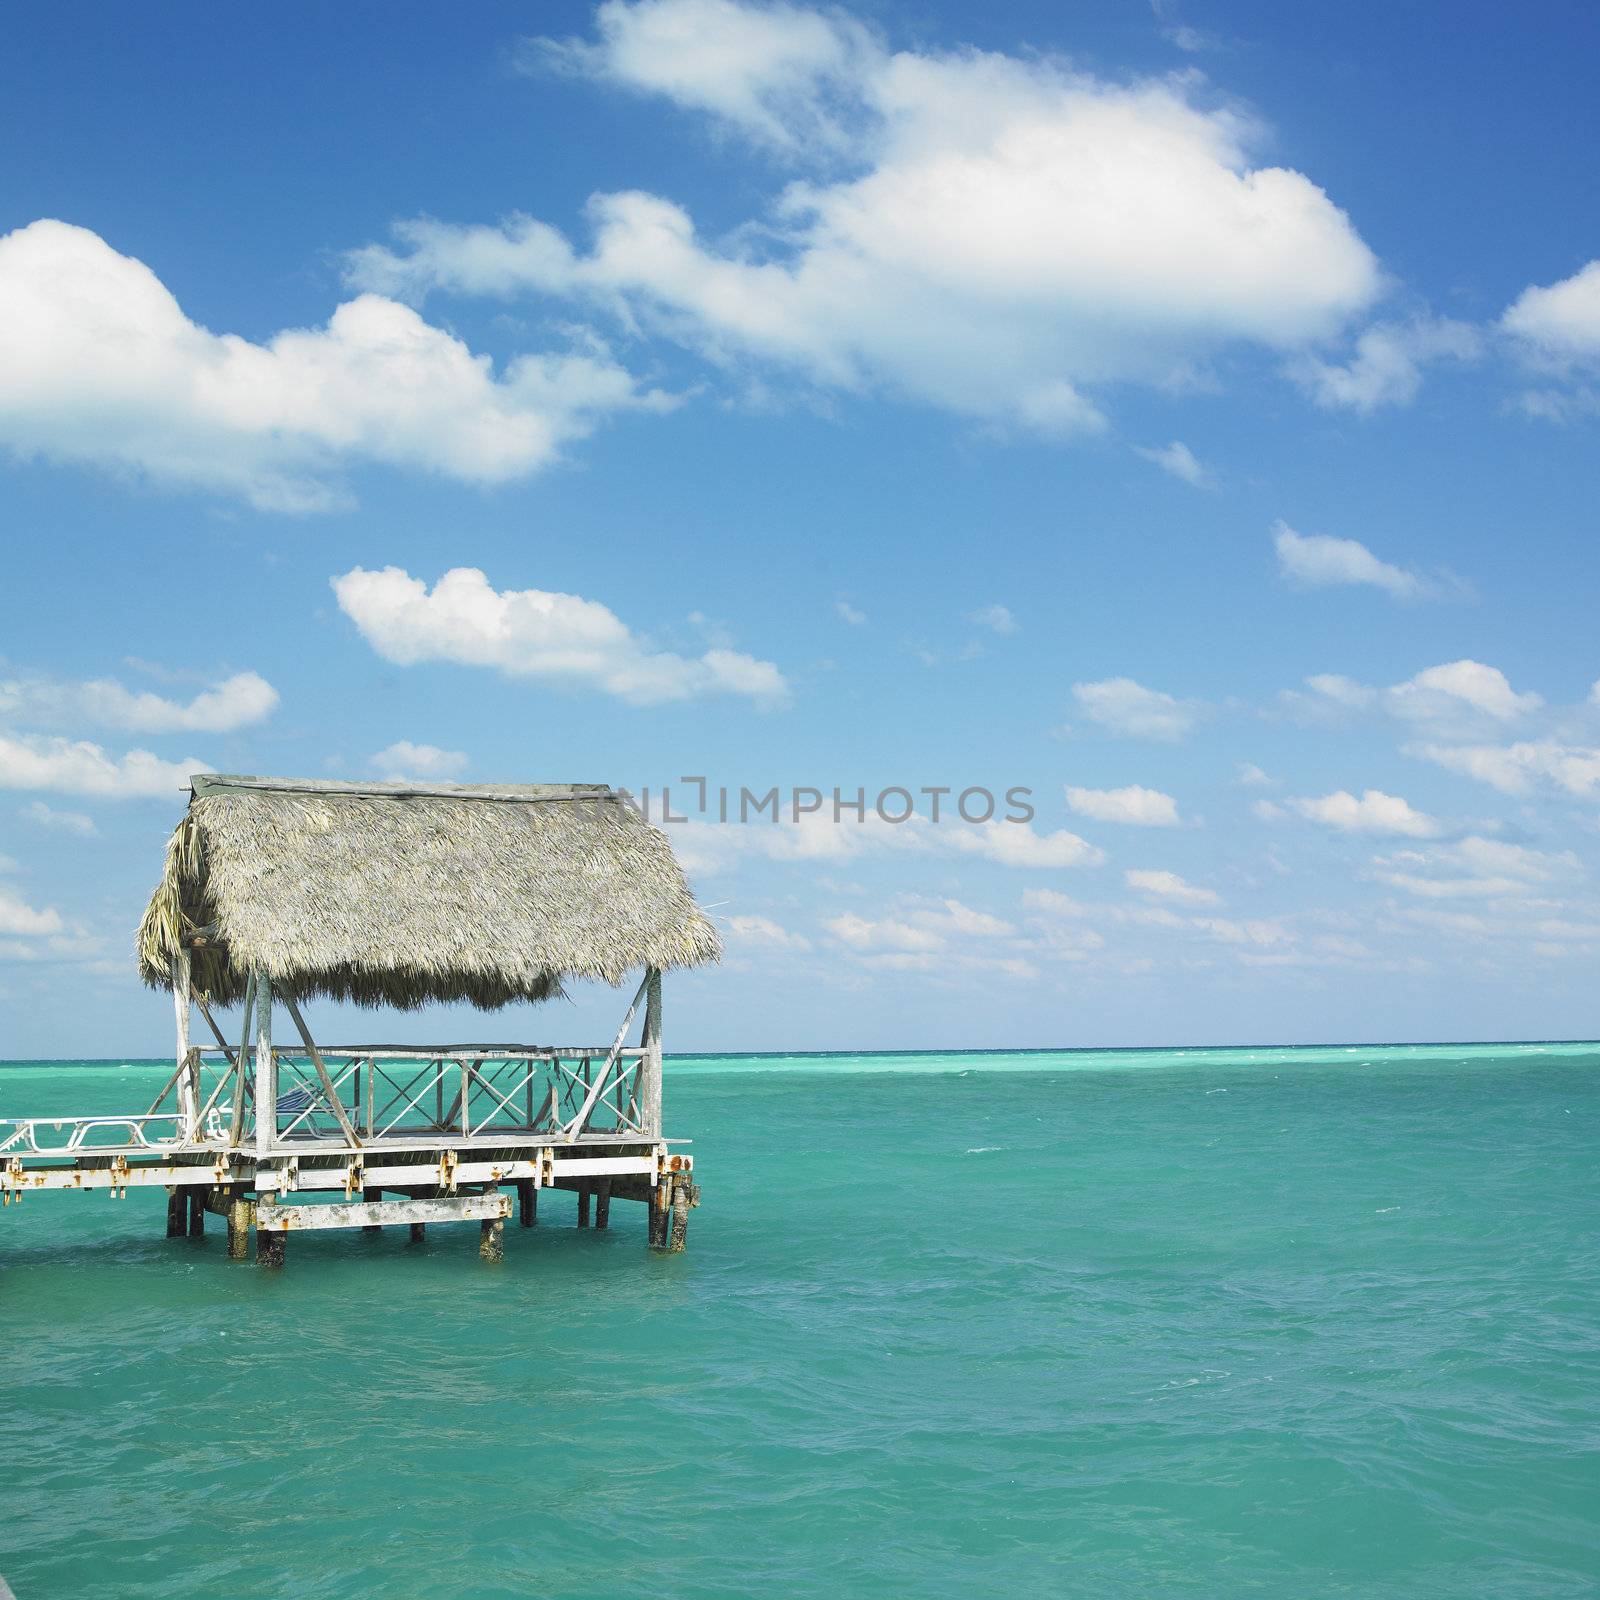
<point>396,894</point>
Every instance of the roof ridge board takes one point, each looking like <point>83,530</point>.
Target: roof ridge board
<point>212,783</point>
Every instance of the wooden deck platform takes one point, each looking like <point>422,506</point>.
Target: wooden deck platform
<point>453,1132</point>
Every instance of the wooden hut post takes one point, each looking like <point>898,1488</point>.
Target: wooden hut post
<point>679,1232</point>
<point>266,1069</point>
<point>650,1062</point>
<point>188,1096</point>
<point>241,1211</point>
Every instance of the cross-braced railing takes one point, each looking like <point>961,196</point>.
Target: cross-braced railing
<point>391,1092</point>
<point>355,1095</point>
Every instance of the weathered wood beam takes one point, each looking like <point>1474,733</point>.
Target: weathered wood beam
<point>188,1087</point>
<point>236,1120</point>
<point>650,1064</point>
<point>364,1213</point>
<point>266,1070</point>
<point>335,1104</point>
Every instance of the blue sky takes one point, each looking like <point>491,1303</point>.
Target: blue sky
<point>1187,413</point>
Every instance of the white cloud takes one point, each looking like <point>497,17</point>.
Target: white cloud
<point>20,919</point>
<point>924,928</point>
<point>1456,695</point>
<point>1386,369</point>
<point>532,633</point>
<point>1474,867</point>
<point>1132,711</point>
<point>1009,233</point>
<point>1179,460</point>
<point>37,811</point>
<point>100,365</point>
<point>779,73</point>
<point>997,618</point>
<point>1374,812</point>
<point>1052,903</point>
<point>1259,933</point>
<point>1518,768</point>
<point>1015,844</point>
<point>78,767</point>
<point>1320,561</point>
<point>1559,323</point>
<point>764,932</point>
<point>1145,808</point>
<point>404,760</point>
<point>849,613</point>
<point>1460,683</point>
<point>236,702</point>
<point>1169,886</point>
<point>1252,777</point>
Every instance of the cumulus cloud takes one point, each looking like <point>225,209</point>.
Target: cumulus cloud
<point>405,760</point>
<point>1439,690</point>
<point>37,812</point>
<point>996,618</point>
<point>1006,234</point>
<point>1520,768</point>
<point>532,633</point>
<point>1169,886</point>
<point>783,75</point>
<point>236,702</point>
<point>923,935</point>
<point>817,837</point>
<point>20,920</point>
<point>763,932</point>
<point>1559,323</point>
<point>928,927</point>
<point>1016,844</point>
<point>1474,868</point>
<point>99,365</point>
<point>1455,694</point>
<point>849,613</point>
<point>1386,369</point>
<point>1320,561</point>
<point>1179,460</point>
<point>1128,709</point>
<point>1374,812</point>
<point>1144,808</point>
<point>69,766</point>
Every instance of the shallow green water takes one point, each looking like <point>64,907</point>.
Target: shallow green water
<point>1269,1322</point>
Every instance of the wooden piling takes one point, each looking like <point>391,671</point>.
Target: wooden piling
<point>602,1203</point>
<point>680,1215</point>
<point>177,1213</point>
<point>241,1213</point>
<point>270,1246</point>
<point>657,1210</point>
<point>583,1203</point>
<point>493,1244</point>
<point>419,1233</point>
<point>197,1212</point>
<point>527,1203</point>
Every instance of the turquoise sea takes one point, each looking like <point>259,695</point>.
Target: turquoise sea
<point>1244,1322</point>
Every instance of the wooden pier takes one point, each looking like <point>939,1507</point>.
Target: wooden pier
<point>518,888</point>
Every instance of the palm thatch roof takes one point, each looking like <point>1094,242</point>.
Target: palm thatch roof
<point>396,894</point>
